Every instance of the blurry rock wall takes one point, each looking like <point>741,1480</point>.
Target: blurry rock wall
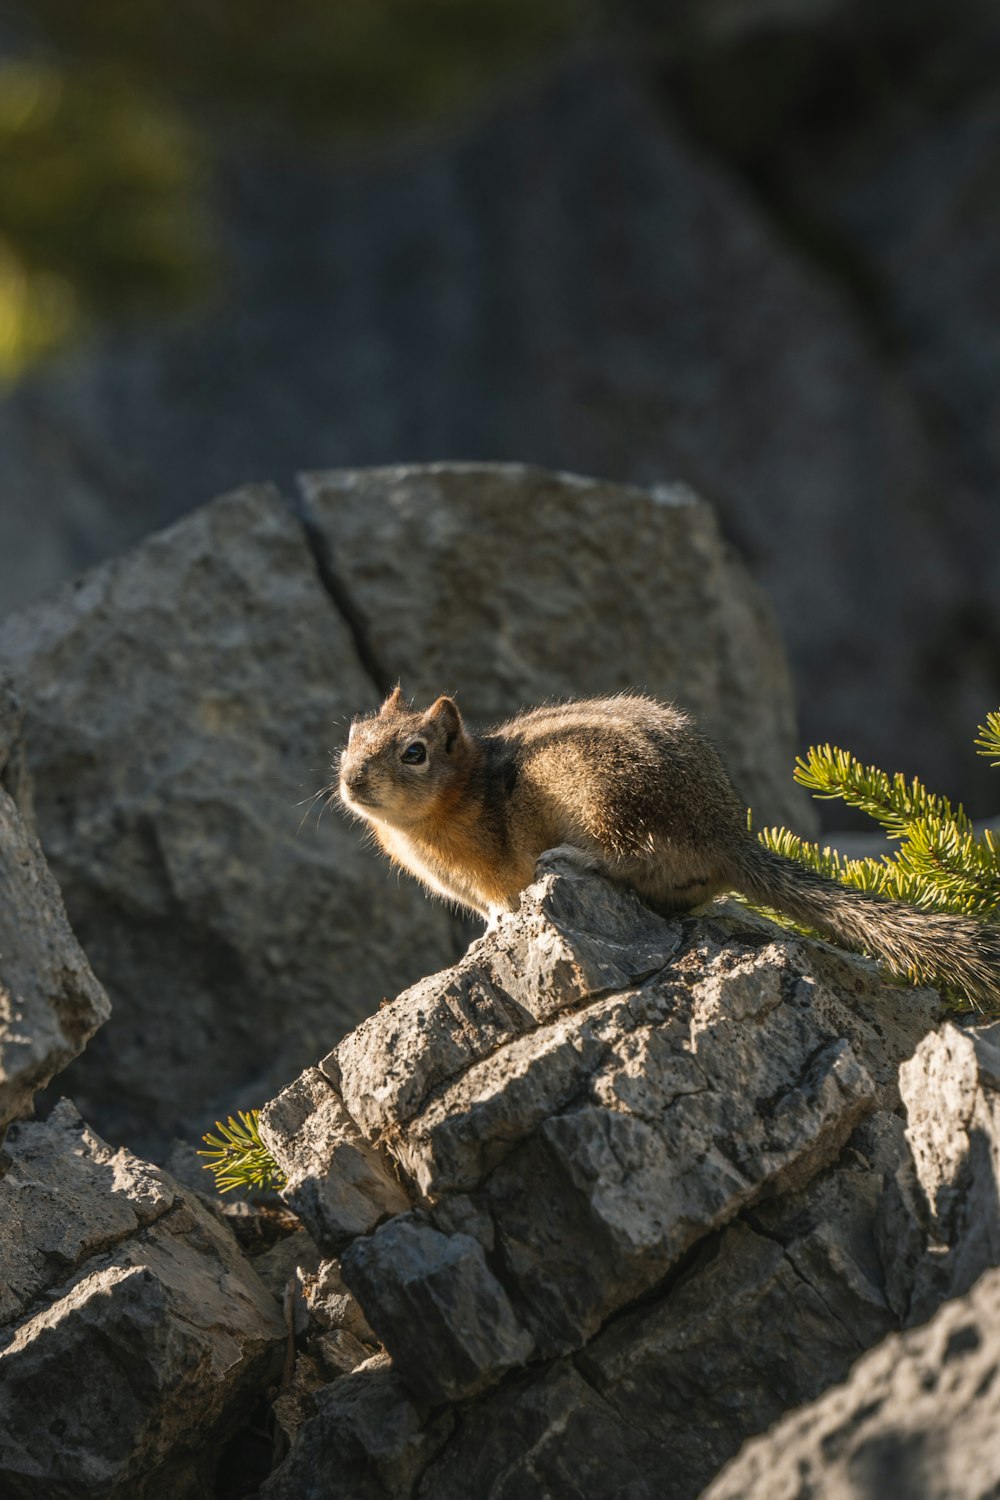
<point>755,247</point>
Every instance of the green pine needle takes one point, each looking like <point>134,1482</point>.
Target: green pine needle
<point>988,742</point>
<point>893,801</point>
<point>239,1158</point>
<point>938,862</point>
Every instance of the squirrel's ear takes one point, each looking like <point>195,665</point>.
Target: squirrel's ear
<point>395,703</point>
<point>443,714</point>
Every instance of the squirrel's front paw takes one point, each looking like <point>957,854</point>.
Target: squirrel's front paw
<point>569,854</point>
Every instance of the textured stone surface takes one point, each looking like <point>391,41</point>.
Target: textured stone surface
<point>180,704</point>
<point>368,1440</point>
<point>134,1335</point>
<point>331,1306</point>
<point>336,1180</point>
<point>67,1196</point>
<point>668,1187</point>
<point>513,612</point>
<point>943,1211</point>
<point>442,1314</point>
<point>587,1143</point>
<point>573,940</point>
<point>14,776</point>
<point>764,1316</point>
<point>917,1417</point>
<point>50,1002</point>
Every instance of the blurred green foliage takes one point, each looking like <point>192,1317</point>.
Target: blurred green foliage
<point>317,65</point>
<point>111,114</point>
<point>101,207</point>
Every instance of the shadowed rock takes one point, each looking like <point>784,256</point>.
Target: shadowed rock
<point>50,1002</point>
<point>134,1337</point>
<point>918,1417</point>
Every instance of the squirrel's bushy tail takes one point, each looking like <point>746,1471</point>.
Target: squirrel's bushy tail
<point>926,946</point>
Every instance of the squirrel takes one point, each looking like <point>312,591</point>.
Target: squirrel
<point>626,785</point>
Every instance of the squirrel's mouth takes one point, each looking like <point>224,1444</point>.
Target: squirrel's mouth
<point>361,798</point>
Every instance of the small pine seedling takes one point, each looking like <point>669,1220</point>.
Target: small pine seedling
<point>238,1157</point>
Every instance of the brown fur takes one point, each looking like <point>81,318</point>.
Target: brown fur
<point>624,784</point>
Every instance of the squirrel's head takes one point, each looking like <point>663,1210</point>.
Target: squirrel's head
<point>397,763</point>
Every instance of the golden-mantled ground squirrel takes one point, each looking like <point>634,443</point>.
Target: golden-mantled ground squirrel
<point>625,785</point>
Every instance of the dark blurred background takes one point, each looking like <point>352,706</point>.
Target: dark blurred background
<point>752,244</point>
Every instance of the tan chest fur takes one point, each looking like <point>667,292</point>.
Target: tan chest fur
<point>451,856</point>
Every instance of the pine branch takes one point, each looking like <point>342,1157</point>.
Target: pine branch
<point>879,877</point>
<point>239,1158</point>
<point>938,862</point>
<point>829,772</point>
<point>963,869</point>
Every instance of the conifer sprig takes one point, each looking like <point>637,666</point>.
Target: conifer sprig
<point>893,801</point>
<point>938,863</point>
<point>988,742</point>
<point>238,1157</point>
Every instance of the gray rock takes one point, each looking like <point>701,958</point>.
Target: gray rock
<point>572,939</point>
<point>295,1402</point>
<point>341,1351</point>
<point>764,1315</point>
<point>368,1441</point>
<point>918,1417</point>
<point>949,1191</point>
<point>585,1145</point>
<point>337,1181</point>
<point>443,1316</point>
<point>511,611</point>
<point>292,1258</point>
<point>134,1335</point>
<point>331,1306</point>
<point>14,775</point>
<point>50,1002</point>
<point>180,703</point>
<point>65,1197</point>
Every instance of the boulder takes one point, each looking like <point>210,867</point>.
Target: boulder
<point>575,1107</point>
<point>531,586</point>
<point>646,1164</point>
<point>134,1337</point>
<point>182,702</point>
<point>14,775</point>
<point>367,1441</point>
<point>50,1002</point>
<point>180,708</point>
<point>918,1416</point>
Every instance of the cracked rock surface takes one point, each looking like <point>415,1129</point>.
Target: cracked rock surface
<point>181,704</point>
<point>643,1189</point>
<point>133,1334</point>
<point>535,585</point>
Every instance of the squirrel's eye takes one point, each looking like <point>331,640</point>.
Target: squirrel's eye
<point>414,755</point>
